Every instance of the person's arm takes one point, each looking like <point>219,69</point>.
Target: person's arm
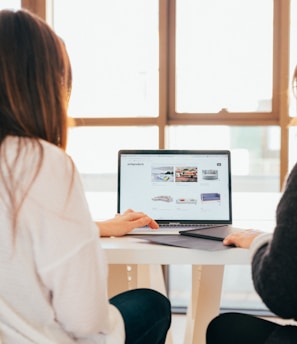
<point>274,264</point>
<point>122,224</point>
<point>274,258</point>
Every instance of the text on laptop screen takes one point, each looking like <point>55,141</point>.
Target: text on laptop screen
<point>176,185</point>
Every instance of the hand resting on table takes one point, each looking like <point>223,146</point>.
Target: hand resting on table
<point>242,239</point>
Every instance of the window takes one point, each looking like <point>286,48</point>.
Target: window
<point>254,151</point>
<point>177,74</point>
<point>185,65</point>
<point>94,150</point>
<point>224,60</point>
<point>10,4</point>
<point>114,51</point>
<point>181,74</point>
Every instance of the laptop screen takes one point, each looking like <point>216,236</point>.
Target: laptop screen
<point>182,186</point>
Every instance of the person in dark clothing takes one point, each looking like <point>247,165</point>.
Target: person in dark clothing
<point>274,274</point>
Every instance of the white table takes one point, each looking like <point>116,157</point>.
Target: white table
<point>137,263</point>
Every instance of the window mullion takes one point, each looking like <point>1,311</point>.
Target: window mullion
<point>36,6</point>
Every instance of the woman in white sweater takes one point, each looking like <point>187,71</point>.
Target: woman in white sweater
<point>52,268</point>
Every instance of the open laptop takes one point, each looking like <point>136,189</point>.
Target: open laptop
<point>181,189</point>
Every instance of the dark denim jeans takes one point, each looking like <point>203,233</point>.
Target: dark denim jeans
<point>235,328</point>
<point>146,314</point>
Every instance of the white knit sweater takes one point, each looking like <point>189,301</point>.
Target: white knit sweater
<point>53,273</point>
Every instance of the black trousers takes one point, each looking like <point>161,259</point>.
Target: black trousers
<point>146,314</point>
<point>238,328</point>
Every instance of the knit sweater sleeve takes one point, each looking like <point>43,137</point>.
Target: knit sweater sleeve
<point>274,262</point>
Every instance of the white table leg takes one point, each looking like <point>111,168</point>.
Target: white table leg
<point>147,276</point>
<point>205,301</point>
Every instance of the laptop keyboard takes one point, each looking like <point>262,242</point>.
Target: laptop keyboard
<point>173,227</point>
<point>184,226</point>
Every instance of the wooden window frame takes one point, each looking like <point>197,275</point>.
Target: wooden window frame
<point>223,116</point>
<point>279,116</point>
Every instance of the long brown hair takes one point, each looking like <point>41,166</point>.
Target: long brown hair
<point>35,79</point>
<point>35,85</point>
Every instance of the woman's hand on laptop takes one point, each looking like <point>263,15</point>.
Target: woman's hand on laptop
<point>122,224</point>
<point>242,238</point>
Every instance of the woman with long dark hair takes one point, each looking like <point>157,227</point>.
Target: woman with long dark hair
<point>53,270</point>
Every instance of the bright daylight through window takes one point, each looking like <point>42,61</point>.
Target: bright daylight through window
<point>222,60</point>
<point>141,68</point>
